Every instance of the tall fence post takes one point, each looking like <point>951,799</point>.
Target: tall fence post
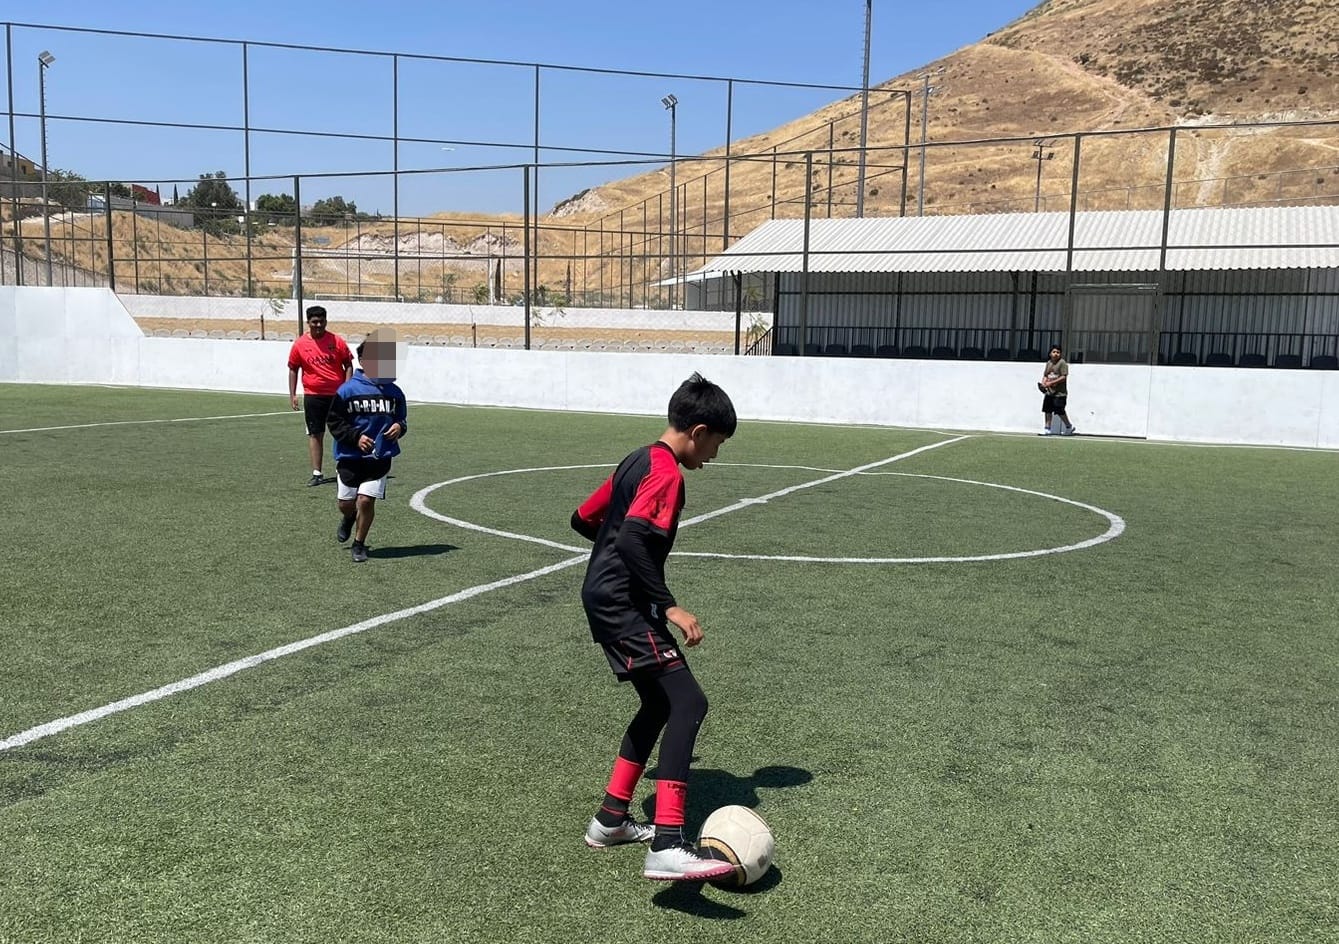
<point>804,268</point>
<point>111,245</point>
<point>1159,299</point>
<point>739,307</point>
<point>1067,311</point>
<point>297,248</point>
<point>525,289</point>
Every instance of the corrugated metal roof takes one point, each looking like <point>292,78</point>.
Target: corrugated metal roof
<point>1305,237</point>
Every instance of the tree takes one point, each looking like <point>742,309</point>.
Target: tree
<point>277,207</point>
<point>216,203</point>
<point>119,190</point>
<point>332,210</point>
<point>68,189</point>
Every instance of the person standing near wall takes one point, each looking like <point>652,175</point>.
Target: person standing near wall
<point>1054,386</point>
<point>325,362</point>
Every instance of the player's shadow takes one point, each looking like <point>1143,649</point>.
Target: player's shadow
<point>710,789</point>
<point>413,550</point>
<point>692,898</point>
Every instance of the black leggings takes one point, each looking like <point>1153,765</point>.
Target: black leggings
<point>676,704</point>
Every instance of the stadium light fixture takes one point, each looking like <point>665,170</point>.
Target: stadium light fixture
<point>44,60</point>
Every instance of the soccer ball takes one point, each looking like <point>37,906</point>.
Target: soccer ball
<point>739,836</point>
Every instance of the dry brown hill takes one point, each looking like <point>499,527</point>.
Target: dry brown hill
<point>1066,66</point>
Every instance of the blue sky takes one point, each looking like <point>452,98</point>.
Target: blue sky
<point>477,106</point>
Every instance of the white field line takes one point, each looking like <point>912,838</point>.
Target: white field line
<point>180,419</point>
<point>1115,528</point>
<point>232,668</point>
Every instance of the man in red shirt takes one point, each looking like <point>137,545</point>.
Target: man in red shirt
<point>325,362</point>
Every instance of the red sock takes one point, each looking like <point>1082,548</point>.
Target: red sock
<point>623,781</point>
<point>671,797</point>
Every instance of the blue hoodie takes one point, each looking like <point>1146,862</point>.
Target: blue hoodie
<point>366,407</point>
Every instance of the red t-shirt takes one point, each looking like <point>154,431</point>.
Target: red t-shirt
<point>322,363</point>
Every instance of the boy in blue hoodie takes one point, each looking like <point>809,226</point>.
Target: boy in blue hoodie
<point>367,420</point>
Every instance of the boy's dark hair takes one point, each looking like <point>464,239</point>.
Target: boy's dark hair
<point>315,311</point>
<point>699,401</point>
<point>1055,347</point>
<point>359,349</point>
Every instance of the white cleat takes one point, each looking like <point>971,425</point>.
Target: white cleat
<point>600,836</point>
<point>683,863</point>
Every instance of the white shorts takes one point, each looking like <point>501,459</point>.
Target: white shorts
<point>374,488</point>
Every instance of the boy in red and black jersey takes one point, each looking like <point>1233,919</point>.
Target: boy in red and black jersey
<point>633,519</point>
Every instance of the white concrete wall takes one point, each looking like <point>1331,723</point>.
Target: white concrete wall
<point>87,336</point>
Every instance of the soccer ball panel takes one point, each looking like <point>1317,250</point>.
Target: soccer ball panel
<point>739,835</point>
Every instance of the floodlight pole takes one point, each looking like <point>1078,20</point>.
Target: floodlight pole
<point>864,116</point>
<point>672,104</point>
<point>44,60</point>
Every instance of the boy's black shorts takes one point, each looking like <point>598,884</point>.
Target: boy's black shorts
<point>354,472</point>
<point>1053,403</point>
<point>650,653</point>
<point>315,410</point>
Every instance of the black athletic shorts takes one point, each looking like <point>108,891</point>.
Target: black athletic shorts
<point>646,654</point>
<point>1054,402</point>
<point>354,472</point>
<point>315,410</point>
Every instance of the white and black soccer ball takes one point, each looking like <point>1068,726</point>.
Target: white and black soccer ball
<point>739,836</point>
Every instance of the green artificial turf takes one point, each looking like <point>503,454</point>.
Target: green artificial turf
<point>1133,741</point>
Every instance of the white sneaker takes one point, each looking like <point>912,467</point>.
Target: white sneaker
<point>600,836</point>
<point>1068,432</point>
<point>683,863</point>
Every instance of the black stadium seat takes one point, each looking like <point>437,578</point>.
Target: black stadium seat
<point>915,351</point>
<point>1120,357</point>
<point>1185,359</point>
<point>784,349</point>
<point>862,350</point>
<point>1029,354</point>
<point>997,354</point>
<point>943,352</point>
<point>1325,362</point>
<point>972,354</point>
<point>886,350</point>
<point>1253,359</point>
<point>835,350</point>
<point>1218,359</point>
<point>1288,361</point>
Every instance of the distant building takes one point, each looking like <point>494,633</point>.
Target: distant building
<point>26,166</point>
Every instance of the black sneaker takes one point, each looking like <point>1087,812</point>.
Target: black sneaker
<point>316,479</point>
<point>359,552</point>
<point>345,528</point>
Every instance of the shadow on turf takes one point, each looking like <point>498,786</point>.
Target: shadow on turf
<point>688,897</point>
<point>710,789</point>
<point>414,550</point>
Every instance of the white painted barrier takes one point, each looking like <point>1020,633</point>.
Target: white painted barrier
<point>87,336</point>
